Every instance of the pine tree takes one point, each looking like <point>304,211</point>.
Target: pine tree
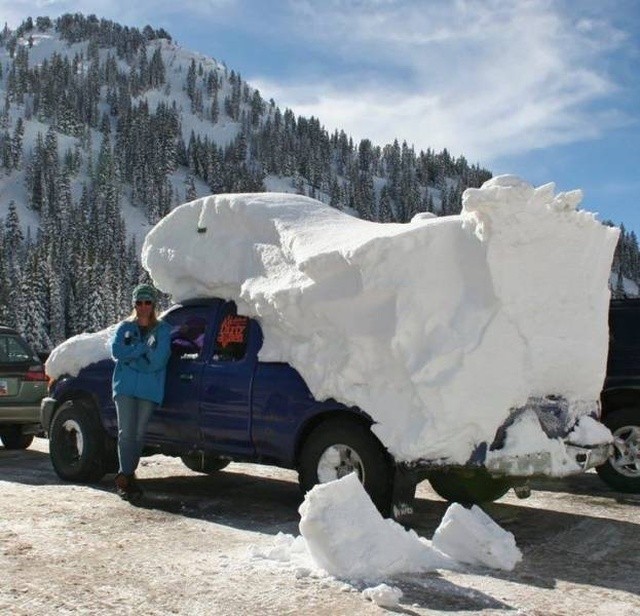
<point>32,306</point>
<point>6,157</point>
<point>157,69</point>
<point>257,108</point>
<point>6,309</point>
<point>384,208</point>
<point>191,80</point>
<point>16,144</point>
<point>190,188</point>
<point>215,108</point>
<point>619,291</point>
<point>35,178</point>
<point>56,313</point>
<point>13,232</point>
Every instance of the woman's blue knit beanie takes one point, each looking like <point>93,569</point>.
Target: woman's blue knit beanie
<point>144,292</point>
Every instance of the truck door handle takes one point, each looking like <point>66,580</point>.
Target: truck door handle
<point>186,377</point>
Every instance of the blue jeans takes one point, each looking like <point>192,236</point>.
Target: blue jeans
<point>133,417</point>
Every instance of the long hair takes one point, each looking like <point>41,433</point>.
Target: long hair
<point>153,319</point>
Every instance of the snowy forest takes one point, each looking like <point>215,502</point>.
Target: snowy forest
<point>98,120</point>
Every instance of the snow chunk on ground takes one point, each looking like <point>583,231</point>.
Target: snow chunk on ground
<point>383,595</point>
<point>290,550</point>
<point>437,328</point>
<point>347,537</point>
<point>344,535</point>
<point>471,536</point>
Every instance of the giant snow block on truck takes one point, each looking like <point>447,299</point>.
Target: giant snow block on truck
<point>452,348</point>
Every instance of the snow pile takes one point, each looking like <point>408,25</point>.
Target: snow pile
<point>526,437</point>
<point>471,536</point>
<point>290,550</point>
<point>344,535</point>
<point>347,537</point>
<point>527,441</point>
<point>79,351</point>
<point>383,595</point>
<point>588,431</point>
<point>437,328</point>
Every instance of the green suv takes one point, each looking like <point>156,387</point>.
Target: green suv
<point>23,384</point>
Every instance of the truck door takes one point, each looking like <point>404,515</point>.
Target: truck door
<point>177,419</point>
<point>225,395</point>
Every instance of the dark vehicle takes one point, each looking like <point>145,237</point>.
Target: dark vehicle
<point>23,384</point>
<point>222,404</point>
<point>621,397</point>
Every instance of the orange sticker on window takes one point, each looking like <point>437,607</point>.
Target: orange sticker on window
<point>232,330</point>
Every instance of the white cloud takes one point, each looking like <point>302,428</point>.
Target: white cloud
<point>484,78</point>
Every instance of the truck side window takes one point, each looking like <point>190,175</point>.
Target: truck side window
<point>187,337</point>
<point>231,340</point>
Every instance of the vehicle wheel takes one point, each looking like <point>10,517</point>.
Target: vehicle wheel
<point>338,447</point>
<point>12,438</point>
<point>204,464</point>
<point>622,470</point>
<point>77,443</point>
<point>469,487</point>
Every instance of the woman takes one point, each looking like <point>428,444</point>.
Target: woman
<point>141,347</point>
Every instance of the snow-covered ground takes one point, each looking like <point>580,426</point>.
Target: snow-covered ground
<point>210,545</point>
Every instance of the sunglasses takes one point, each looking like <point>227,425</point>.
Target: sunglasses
<point>145,302</point>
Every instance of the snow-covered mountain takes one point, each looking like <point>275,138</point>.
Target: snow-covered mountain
<point>105,128</point>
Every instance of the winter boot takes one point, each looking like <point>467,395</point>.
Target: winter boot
<point>127,487</point>
<point>122,485</point>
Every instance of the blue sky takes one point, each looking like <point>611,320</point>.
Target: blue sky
<point>546,89</point>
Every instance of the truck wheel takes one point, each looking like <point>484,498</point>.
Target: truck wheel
<point>77,443</point>
<point>12,438</point>
<point>338,447</point>
<point>469,487</point>
<point>204,464</point>
<point>622,470</point>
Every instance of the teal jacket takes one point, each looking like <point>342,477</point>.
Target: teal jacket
<point>141,362</point>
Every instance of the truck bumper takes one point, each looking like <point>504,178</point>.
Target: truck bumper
<point>47,406</point>
<point>577,460</point>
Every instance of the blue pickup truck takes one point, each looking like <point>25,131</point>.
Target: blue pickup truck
<point>222,404</point>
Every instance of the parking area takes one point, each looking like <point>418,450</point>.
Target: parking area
<point>190,547</point>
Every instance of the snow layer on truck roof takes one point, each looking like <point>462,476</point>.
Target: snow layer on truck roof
<point>436,328</point>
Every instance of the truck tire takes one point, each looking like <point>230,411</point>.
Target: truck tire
<point>468,487</point>
<point>12,438</point>
<point>78,443</point>
<point>204,464</point>
<point>622,470</point>
<point>338,447</point>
